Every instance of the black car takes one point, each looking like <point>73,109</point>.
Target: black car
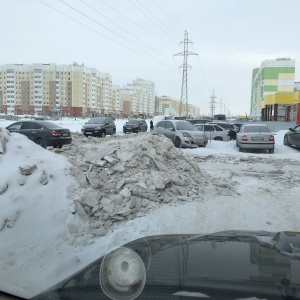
<point>43,133</point>
<point>99,126</point>
<point>136,125</point>
<point>292,137</point>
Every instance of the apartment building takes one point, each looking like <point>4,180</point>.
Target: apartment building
<point>149,87</point>
<point>168,106</point>
<point>273,76</point>
<point>50,89</point>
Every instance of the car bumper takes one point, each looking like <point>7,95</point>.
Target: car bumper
<point>188,143</point>
<point>92,132</point>
<point>130,129</point>
<point>200,141</point>
<point>257,145</point>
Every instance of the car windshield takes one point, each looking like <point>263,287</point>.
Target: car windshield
<point>133,122</point>
<point>184,126</point>
<point>96,121</point>
<point>263,129</point>
<point>121,183</point>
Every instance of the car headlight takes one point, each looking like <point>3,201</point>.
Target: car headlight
<point>99,127</point>
<point>185,134</point>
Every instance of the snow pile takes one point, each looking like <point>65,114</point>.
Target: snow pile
<point>124,178</point>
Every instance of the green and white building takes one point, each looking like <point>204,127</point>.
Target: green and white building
<point>273,76</point>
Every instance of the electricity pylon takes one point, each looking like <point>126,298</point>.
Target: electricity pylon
<point>184,66</point>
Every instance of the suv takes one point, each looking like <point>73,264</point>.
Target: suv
<point>99,126</point>
<point>135,125</point>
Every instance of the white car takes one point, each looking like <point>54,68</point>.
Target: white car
<point>182,133</point>
<point>255,136</point>
<point>213,132</point>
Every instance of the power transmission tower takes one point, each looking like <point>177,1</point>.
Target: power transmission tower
<point>212,104</point>
<point>184,66</point>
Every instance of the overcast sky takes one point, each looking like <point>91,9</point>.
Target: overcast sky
<point>138,38</point>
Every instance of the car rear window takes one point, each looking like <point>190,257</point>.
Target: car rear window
<point>256,129</point>
<point>133,122</point>
<point>50,125</point>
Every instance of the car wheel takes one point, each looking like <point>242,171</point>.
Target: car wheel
<point>271,151</point>
<point>218,138</point>
<point>41,143</point>
<point>204,144</point>
<point>236,143</point>
<point>124,131</point>
<point>114,131</point>
<point>240,149</point>
<point>138,130</point>
<point>103,134</point>
<point>286,141</point>
<point>177,142</point>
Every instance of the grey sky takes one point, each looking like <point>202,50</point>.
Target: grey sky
<point>231,37</point>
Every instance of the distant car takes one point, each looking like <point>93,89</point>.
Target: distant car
<point>43,133</point>
<point>135,125</point>
<point>292,137</point>
<point>99,126</point>
<point>255,136</point>
<point>213,132</point>
<point>182,133</point>
<point>198,121</point>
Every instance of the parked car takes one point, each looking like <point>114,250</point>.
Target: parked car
<point>43,133</point>
<point>99,126</point>
<point>135,125</point>
<point>225,125</point>
<point>182,133</point>
<point>198,121</point>
<point>292,137</point>
<point>255,136</point>
<point>213,132</point>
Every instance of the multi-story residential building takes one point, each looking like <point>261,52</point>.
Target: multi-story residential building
<point>140,105</point>
<point>128,102</point>
<point>273,76</point>
<point>115,100</point>
<point>169,106</point>
<point>47,89</point>
<point>149,86</point>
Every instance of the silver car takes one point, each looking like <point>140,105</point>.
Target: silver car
<point>255,136</point>
<point>182,133</point>
<point>213,132</point>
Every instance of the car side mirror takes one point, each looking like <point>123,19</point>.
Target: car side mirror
<point>106,123</point>
<point>291,129</point>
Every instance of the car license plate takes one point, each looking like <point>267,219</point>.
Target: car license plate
<point>256,138</point>
<point>88,132</point>
<point>65,134</point>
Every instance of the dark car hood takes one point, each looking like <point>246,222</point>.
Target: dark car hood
<point>230,264</point>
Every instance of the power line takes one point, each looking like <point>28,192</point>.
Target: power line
<point>139,26</point>
<point>150,19</point>
<point>212,103</point>
<point>157,19</point>
<point>73,19</point>
<point>147,45</point>
<point>184,66</point>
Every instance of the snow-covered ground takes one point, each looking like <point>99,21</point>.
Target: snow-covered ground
<point>242,191</point>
